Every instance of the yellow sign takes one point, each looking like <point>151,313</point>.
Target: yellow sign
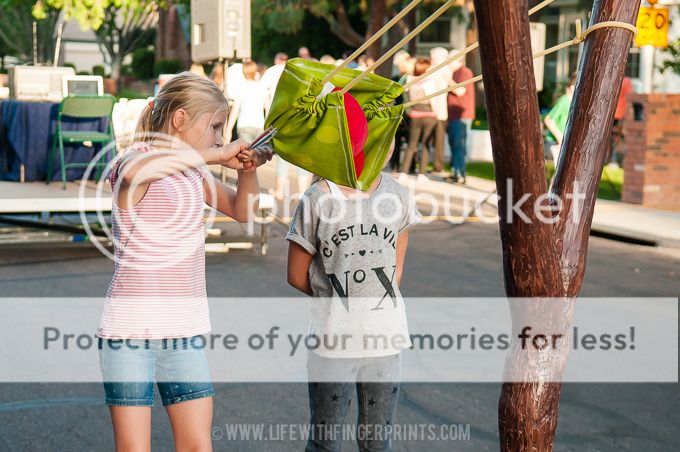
<point>652,24</point>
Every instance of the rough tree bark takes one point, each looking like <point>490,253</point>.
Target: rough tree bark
<point>540,259</point>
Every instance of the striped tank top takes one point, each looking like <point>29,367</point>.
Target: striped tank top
<point>158,286</point>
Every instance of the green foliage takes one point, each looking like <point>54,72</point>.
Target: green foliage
<point>547,97</point>
<point>324,26</point>
<point>168,66</point>
<point>91,15</point>
<point>71,65</point>
<point>313,34</point>
<point>673,62</point>
<point>82,73</point>
<point>16,31</point>
<point>121,26</point>
<point>143,63</point>
<point>611,182</point>
<point>130,94</point>
<point>99,70</point>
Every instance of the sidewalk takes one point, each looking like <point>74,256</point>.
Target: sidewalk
<point>628,221</point>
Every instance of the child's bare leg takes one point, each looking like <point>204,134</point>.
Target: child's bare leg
<point>131,428</point>
<point>191,422</point>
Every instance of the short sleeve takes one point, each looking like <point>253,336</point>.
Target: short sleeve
<point>411,214</point>
<point>204,171</point>
<point>303,225</point>
<point>137,147</point>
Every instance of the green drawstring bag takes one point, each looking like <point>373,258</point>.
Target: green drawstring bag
<point>313,132</point>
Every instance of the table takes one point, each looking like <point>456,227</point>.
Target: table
<point>26,133</point>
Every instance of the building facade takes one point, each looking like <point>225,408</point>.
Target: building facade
<point>450,31</point>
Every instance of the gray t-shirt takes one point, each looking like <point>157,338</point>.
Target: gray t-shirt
<point>353,270</point>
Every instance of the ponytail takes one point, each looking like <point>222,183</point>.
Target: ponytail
<point>144,129</point>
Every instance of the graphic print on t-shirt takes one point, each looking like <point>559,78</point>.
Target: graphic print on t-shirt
<point>361,261</point>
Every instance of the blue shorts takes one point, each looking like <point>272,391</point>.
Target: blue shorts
<point>131,366</point>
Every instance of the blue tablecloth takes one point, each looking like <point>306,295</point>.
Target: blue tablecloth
<point>26,133</point>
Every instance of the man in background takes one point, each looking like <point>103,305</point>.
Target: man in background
<point>556,119</point>
<point>461,102</point>
<point>303,52</point>
<point>271,77</point>
<point>441,79</point>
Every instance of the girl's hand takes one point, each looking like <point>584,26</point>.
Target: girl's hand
<point>228,154</point>
<point>253,158</point>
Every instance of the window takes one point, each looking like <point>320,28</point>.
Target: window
<point>633,63</point>
<point>439,31</point>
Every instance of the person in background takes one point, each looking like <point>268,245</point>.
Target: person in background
<point>268,84</point>
<point>556,119</point>
<point>236,79</point>
<point>303,52</point>
<point>619,115</point>
<point>441,79</point>
<point>198,70</point>
<point>361,62</point>
<point>404,67</point>
<point>461,103</point>
<point>249,106</point>
<point>364,62</point>
<point>271,77</point>
<point>423,119</point>
<point>217,75</point>
<point>261,69</point>
<point>345,55</point>
<point>327,59</point>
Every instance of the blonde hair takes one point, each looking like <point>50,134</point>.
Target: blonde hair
<point>192,93</point>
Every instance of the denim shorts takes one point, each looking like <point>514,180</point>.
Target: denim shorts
<point>130,367</point>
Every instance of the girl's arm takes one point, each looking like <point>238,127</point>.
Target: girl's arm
<point>299,261</point>
<point>138,170</point>
<point>402,244</point>
<point>240,204</point>
<point>243,203</point>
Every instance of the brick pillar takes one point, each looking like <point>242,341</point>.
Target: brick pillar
<point>652,141</point>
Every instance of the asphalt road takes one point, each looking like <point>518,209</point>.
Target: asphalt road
<point>442,261</point>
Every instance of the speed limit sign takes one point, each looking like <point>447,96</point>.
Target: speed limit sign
<point>652,25</point>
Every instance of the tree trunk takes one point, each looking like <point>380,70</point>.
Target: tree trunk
<point>539,259</point>
<point>375,22</point>
<point>589,127</point>
<point>116,66</point>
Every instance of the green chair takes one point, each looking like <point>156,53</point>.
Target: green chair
<point>82,107</point>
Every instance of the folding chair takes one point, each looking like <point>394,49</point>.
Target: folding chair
<point>82,107</point>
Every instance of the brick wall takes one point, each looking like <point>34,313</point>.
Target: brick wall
<point>652,141</point>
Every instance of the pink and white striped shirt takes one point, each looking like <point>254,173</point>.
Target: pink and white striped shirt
<point>158,286</point>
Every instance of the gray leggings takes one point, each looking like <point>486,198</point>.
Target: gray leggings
<point>333,382</point>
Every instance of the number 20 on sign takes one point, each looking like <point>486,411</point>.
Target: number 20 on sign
<point>652,24</point>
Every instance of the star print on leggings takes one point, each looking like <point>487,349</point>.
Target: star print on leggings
<point>334,398</point>
<point>371,402</point>
<point>394,389</point>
